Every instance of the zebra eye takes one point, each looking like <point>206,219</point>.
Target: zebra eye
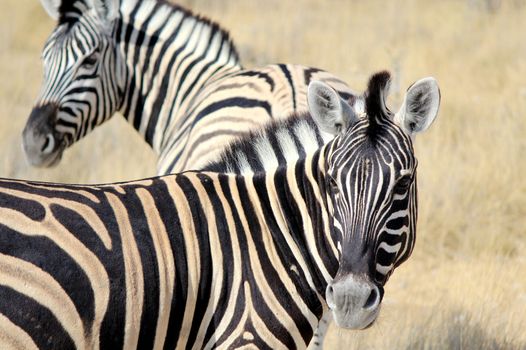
<point>403,184</point>
<point>333,185</point>
<point>91,60</point>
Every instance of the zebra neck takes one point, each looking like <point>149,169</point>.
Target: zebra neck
<point>167,55</point>
<point>301,204</point>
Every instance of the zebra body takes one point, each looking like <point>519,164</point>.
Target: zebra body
<point>235,104</point>
<point>207,260</point>
<point>187,260</point>
<point>174,76</point>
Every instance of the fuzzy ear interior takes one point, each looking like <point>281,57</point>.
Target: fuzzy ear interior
<point>52,8</point>
<point>330,112</point>
<point>420,106</point>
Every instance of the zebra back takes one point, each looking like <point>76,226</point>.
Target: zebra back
<point>173,75</point>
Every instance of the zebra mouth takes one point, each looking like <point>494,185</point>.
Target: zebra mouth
<point>370,324</point>
<point>355,320</point>
<point>49,160</point>
<point>46,156</point>
<point>57,157</point>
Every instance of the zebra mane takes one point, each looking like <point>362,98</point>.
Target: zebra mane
<point>204,19</point>
<point>70,12</point>
<point>375,96</point>
<point>279,142</point>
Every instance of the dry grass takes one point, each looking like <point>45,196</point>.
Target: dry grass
<point>465,287</point>
<point>453,304</point>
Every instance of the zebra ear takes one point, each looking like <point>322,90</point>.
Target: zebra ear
<point>108,10</point>
<point>332,114</point>
<point>52,8</point>
<point>420,106</point>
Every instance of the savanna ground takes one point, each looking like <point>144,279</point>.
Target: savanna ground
<point>465,285</point>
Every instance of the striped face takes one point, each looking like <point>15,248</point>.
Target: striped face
<point>371,181</point>
<point>371,190</point>
<point>80,86</point>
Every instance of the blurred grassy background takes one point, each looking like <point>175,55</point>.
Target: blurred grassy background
<point>465,286</point>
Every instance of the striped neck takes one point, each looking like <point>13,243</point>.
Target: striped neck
<point>294,202</point>
<point>166,55</point>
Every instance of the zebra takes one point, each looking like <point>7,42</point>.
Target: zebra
<point>204,259</point>
<point>175,76</point>
<point>94,30</point>
<point>287,140</point>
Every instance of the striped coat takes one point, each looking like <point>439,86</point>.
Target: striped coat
<point>207,260</point>
<point>190,260</point>
<point>173,75</point>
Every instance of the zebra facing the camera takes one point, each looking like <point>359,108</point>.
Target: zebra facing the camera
<point>204,259</point>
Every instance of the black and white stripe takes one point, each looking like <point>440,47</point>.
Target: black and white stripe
<point>203,259</point>
<point>173,75</point>
<point>285,141</point>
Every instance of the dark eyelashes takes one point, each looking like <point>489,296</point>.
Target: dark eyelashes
<point>332,184</point>
<point>403,184</point>
<point>91,59</point>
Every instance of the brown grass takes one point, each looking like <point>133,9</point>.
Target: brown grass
<point>465,287</point>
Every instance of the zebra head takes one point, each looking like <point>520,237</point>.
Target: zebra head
<point>81,78</point>
<point>371,191</point>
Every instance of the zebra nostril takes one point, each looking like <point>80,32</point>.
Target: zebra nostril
<point>49,144</point>
<point>372,300</point>
<point>329,297</point>
<point>330,290</point>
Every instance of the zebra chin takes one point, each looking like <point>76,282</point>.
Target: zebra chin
<point>354,301</point>
<point>41,144</point>
<point>47,161</point>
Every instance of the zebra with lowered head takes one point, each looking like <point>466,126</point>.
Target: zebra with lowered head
<point>204,259</point>
<point>174,76</point>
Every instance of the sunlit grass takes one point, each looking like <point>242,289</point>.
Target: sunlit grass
<point>451,304</point>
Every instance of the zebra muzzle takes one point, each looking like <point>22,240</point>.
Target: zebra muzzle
<point>42,145</point>
<point>354,301</point>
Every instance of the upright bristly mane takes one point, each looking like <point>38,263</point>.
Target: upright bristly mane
<point>71,10</point>
<point>375,97</point>
<point>204,19</point>
<point>274,145</point>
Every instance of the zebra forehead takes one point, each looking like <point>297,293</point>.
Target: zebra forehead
<point>389,144</point>
<point>86,21</point>
<point>361,163</point>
